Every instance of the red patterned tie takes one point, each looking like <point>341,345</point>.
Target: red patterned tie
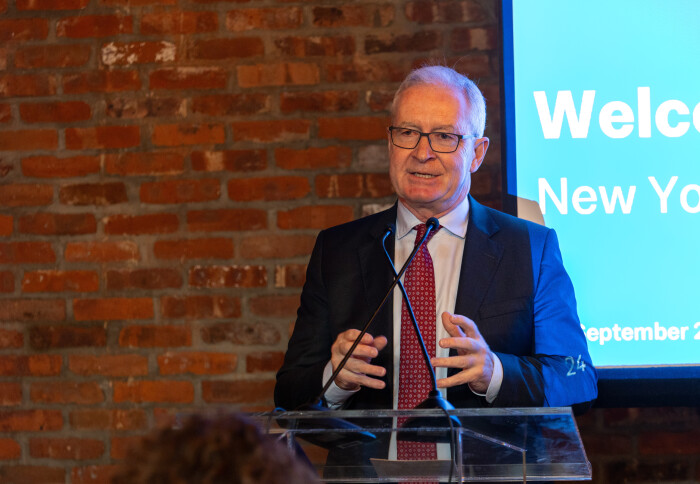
<point>414,377</point>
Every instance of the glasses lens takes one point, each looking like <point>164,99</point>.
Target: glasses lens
<point>405,138</point>
<point>445,142</point>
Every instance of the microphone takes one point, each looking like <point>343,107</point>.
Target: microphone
<point>357,434</point>
<point>435,400</point>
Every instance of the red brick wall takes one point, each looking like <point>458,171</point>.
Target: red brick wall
<point>164,168</point>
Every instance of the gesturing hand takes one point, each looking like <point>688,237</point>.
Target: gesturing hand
<point>474,357</point>
<point>358,371</point>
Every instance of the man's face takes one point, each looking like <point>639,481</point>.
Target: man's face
<point>431,184</point>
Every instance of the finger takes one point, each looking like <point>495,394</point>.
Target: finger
<point>465,324</point>
<point>462,361</point>
<point>461,378</point>
<point>359,366</point>
<point>380,342</point>
<point>360,351</point>
<point>460,344</point>
<point>451,328</point>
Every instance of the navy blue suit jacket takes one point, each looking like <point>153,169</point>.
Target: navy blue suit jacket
<point>512,284</point>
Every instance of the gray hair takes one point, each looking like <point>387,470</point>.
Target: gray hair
<point>445,76</point>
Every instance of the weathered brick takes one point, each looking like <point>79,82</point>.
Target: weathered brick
<point>60,281</point>
<point>164,22</point>
<point>101,251</point>
<point>313,158</point>
<point>26,253</point>
<point>278,74</point>
<point>57,224</point>
<point>101,81</point>
<point>290,275</point>
<point>156,391</point>
<point>66,448</point>
<point>28,310</point>
<point>238,391</point>
<point>468,39</point>
<point>315,46</point>
<point>24,85</point>
<point>232,104</point>
<point>379,99</point>
<point>151,107</point>
<point>30,365</point>
<point>354,185</point>
<point>33,420</point>
<point>275,306</point>
<point>228,276</point>
<point>149,163</point>
<point>276,246</point>
<point>6,223</point>
<point>22,474</point>
<point>21,195</point>
<point>188,78</point>
<point>365,128</point>
<point>29,140</point>
<point>95,474</point>
<point>129,53</point>
<point>216,248</point>
<point>118,365</point>
<point>314,217</point>
<point>226,48</point>
<point>52,56</point>
<point>180,191</point>
<point>7,281</point>
<point>111,309</point>
<point>268,188</point>
<point>5,113</point>
<point>10,393</point>
<point>272,131</point>
<point>244,19</point>
<point>9,449</point>
<point>179,135</point>
<point>120,446</point>
<point>160,336</point>
<point>261,361</point>
<point>230,160</point>
<point>55,167</point>
<point>201,307</point>
<point>84,393</point>
<point>93,194</point>
<point>136,3</point>
<point>108,419</point>
<point>88,26</point>
<point>417,42</point>
<point>51,4</point>
<point>23,29</point>
<point>197,363</point>
<point>155,223</point>
<point>353,16</point>
<point>143,279</point>
<point>240,333</point>
<point>365,70</point>
<point>103,137</point>
<point>55,337</point>
<point>429,12</point>
<point>226,220</point>
<point>325,101</point>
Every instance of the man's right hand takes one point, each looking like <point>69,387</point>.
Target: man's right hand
<point>358,371</point>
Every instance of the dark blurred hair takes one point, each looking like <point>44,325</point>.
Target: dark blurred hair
<point>226,449</point>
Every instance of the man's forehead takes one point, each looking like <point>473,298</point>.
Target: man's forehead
<point>436,105</point>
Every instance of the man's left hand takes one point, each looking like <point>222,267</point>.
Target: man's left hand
<point>473,354</point>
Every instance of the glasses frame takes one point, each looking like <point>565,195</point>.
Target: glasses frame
<point>460,137</point>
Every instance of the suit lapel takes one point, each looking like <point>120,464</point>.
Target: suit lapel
<point>479,262</point>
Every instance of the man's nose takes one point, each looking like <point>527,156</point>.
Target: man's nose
<point>423,151</point>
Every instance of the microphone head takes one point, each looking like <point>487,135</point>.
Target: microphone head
<point>432,223</point>
<point>390,229</point>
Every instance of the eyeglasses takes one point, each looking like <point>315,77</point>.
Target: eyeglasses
<point>438,141</point>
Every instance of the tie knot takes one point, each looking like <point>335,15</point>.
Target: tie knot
<point>420,229</point>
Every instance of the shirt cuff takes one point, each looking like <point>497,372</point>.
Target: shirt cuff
<point>496,381</point>
<point>336,396</point>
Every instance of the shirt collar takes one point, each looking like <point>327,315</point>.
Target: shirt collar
<point>455,221</point>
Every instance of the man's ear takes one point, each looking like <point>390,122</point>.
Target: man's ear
<point>480,147</point>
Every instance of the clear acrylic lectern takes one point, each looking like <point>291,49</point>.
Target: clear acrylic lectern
<point>485,444</point>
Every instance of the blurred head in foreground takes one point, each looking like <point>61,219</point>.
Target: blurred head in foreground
<point>226,449</point>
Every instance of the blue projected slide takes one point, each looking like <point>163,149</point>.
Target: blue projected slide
<point>607,143</point>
